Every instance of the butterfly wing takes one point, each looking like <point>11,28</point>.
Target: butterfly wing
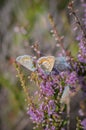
<point>61,64</point>
<point>46,63</point>
<point>27,61</point>
<point>66,95</point>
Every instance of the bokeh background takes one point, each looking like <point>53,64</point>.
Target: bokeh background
<point>22,22</point>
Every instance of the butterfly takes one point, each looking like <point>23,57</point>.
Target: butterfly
<point>27,61</point>
<point>61,64</point>
<point>47,63</point>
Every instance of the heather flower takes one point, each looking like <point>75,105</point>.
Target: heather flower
<point>72,79</point>
<point>51,107</point>
<point>46,88</point>
<point>50,127</point>
<point>64,75</point>
<point>53,128</point>
<point>79,68</point>
<point>83,123</point>
<point>82,37</point>
<point>43,107</point>
<point>48,107</point>
<point>82,50</point>
<point>81,112</point>
<point>47,127</point>
<point>36,115</point>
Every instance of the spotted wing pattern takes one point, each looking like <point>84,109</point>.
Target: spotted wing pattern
<point>27,61</point>
<point>46,63</point>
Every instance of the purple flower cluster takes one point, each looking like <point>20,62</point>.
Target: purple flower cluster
<point>47,89</point>
<point>51,87</point>
<point>82,37</point>
<point>83,123</point>
<point>49,108</point>
<point>36,115</point>
<point>72,79</point>
<point>82,50</point>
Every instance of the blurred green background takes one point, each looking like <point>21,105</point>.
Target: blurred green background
<point>22,22</point>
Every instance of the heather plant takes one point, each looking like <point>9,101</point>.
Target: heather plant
<point>57,79</point>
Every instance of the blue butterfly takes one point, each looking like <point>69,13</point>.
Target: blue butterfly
<point>60,65</point>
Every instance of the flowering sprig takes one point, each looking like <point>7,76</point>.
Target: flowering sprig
<point>83,123</point>
<point>77,20</point>
<point>82,37</point>
<point>58,38</point>
<point>21,76</point>
<point>79,125</point>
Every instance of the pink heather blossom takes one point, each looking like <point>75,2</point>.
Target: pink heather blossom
<point>36,115</point>
<point>83,123</point>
